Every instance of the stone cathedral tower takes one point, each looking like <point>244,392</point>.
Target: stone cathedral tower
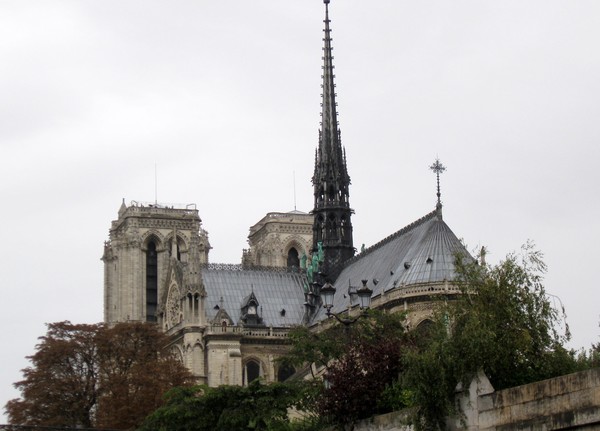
<point>142,243</point>
<point>332,225</point>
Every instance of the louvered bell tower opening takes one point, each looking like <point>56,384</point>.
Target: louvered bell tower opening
<point>151,282</point>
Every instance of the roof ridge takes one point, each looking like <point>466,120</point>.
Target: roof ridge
<point>393,236</point>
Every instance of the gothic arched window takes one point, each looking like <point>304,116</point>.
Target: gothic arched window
<point>331,195</point>
<point>284,372</point>
<point>251,371</point>
<point>293,259</point>
<point>332,232</point>
<point>151,282</point>
<point>423,332</point>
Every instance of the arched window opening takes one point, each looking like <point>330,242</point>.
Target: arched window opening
<point>319,228</point>
<point>343,227</point>
<point>293,259</point>
<point>251,371</point>
<point>332,232</point>
<point>196,308</point>
<point>151,282</point>
<point>285,372</point>
<point>423,333</point>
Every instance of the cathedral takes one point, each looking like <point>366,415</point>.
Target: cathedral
<point>229,322</point>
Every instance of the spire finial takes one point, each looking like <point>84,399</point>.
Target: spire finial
<point>438,168</point>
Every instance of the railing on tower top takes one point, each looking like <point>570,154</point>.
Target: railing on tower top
<point>165,206</point>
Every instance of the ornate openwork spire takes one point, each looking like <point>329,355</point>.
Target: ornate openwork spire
<point>332,227</point>
<point>329,124</point>
<point>438,169</point>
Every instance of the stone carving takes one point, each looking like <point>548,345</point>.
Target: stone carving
<point>173,306</point>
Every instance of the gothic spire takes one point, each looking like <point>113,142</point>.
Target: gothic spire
<point>332,227</point>
<point>330,139</point>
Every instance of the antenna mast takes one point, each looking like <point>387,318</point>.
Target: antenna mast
<point>294,175</point>
<point>155,185</point>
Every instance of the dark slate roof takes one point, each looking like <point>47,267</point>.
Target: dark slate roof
<point>275,290</point>
<point>422,252</point>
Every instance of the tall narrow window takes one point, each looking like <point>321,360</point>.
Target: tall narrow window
<point>293,260</point>
<point>251,371</point>
<point>151,282</point>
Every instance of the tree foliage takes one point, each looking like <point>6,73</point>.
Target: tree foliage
<point>362,363</point>
<point>94,375</point>
<point>502,323</point>
<point>227,408</point>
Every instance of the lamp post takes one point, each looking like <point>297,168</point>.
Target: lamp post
<point>364,301</point>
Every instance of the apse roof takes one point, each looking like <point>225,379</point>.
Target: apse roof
<point>279,292</point>
<point>422,252</point>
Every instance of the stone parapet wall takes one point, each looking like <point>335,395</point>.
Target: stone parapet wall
<point>570,402</point>
<point>566,402</point>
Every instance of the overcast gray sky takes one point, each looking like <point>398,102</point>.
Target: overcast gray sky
<point>223,96</point>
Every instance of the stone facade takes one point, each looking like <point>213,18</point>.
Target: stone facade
<point>167,230</point>
<point>162,251</point>
<point>279,240</point>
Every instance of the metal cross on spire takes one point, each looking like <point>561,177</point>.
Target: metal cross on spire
<point>438,168</point>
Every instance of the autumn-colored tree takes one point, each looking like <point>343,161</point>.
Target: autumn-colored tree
<point>362,361</point>
<point>61,386</point>
<point>135,372</point>
<point>94,375</point>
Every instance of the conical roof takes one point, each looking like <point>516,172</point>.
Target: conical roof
<point>420,253</point>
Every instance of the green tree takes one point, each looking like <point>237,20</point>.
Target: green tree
<point>227,408</point>
<point>93,375</point>
<point>502,323</point>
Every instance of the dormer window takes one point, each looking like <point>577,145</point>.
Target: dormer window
<point>249,311</point>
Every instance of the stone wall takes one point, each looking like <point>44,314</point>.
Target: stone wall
<point>395,421</point>
<point>568,402</point>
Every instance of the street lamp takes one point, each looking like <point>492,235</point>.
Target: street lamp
<point>364,300</point>
<point>364,295</point>
<point>327,293</point>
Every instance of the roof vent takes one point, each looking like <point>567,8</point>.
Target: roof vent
<point>429,260</point>
<point>216,307</point>
<point>406,265</point>
<point>282,312</point>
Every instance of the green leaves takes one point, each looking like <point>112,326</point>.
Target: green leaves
<point>502,322</point>
<point>257,407</point>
